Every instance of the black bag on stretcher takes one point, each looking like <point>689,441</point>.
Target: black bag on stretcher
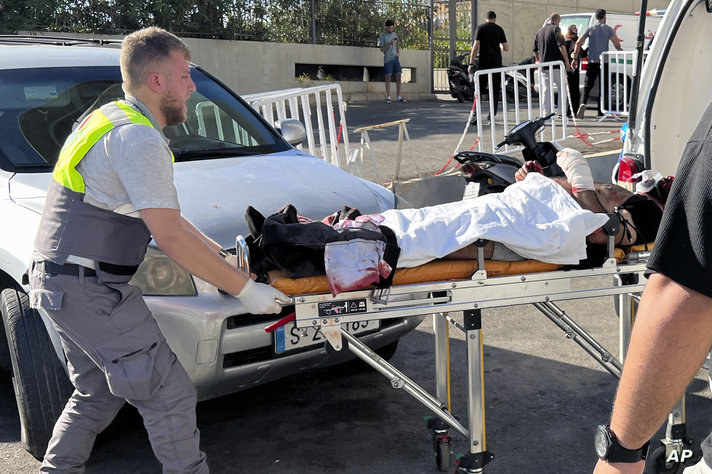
<point>353,253</point>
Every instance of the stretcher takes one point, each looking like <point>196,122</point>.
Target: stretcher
<point>446,287</point>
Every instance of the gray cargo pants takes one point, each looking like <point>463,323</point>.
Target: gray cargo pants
<point>115,353</point>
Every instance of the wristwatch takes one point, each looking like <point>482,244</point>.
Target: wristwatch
<point>223,253</point>
<point>608,449</point>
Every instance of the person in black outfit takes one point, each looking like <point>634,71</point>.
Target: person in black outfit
<point>490,41</point>
<point>572,76</point>
<point>549,45</point>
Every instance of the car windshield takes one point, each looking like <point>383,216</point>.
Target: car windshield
<point>581,22</point>
<point>40,107</point>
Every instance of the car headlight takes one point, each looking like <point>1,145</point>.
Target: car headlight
<point>158,275</point>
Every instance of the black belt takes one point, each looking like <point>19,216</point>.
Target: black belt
<point>72,269</point>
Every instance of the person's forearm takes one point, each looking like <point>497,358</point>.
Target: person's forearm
<point>190,249</point>
<point>564,54</point>
<point>473,53</point>
<point>671,336</point>
<point>208,241</point>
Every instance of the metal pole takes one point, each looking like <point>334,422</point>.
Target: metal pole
<point>431,32</point>
<point>473,26</point>
<point>640,46</point>
<point>452,24</point>
<point>313,22</point>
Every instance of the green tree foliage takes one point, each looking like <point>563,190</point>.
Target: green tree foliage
<point>337,22</point>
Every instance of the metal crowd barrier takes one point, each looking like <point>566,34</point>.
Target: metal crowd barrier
<point>616,81</point>
<point>318,104</point>
<point>520,89</point>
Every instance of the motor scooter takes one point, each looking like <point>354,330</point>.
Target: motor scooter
<point>491,173</point>
<point>461,87</point>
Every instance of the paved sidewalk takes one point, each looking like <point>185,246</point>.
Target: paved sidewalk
<point>436,127</point>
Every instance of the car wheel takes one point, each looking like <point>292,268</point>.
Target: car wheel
<point>41,384</point>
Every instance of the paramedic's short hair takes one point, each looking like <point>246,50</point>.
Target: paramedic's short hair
<point>491,15</point>
<point>143,51</point>
<point>389,23</point>
<point>554,17</point>
<point>600,14</point>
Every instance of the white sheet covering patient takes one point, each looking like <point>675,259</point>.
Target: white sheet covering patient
<point>535,218</point>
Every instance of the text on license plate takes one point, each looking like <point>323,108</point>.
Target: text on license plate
<point>289,337</point>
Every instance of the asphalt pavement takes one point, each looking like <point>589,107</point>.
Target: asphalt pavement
<point>439,128</point>
<point>544,395</point>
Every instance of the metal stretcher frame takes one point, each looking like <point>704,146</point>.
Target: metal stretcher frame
<point>470,296</point>
<point>543,290</point>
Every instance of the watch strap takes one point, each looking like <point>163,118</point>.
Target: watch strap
<point>617,453</point>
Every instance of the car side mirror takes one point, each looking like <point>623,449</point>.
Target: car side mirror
<point>292,130</point>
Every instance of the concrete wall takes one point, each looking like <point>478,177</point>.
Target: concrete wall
<point>250,67</point>
<point>521,19</point>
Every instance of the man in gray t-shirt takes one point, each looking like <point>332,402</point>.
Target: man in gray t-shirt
<point>599,35</point>
<point>112,189</point>
<point>388,44</point>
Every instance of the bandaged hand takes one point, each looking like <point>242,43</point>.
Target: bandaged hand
<point>528,167</point>
<point>576,169</point>
<point>258,298</point>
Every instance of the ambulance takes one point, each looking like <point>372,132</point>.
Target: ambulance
<point>674,92</point>
<point>625,25</point>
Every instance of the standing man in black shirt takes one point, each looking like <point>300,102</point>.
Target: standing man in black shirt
<point>490,41</point>
<point>550,45</point>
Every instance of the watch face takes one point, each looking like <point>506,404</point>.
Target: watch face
<point>602,442</point>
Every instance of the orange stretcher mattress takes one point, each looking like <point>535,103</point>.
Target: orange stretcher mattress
<point>437,270</point>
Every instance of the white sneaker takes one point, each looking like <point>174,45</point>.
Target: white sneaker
<point>401,99</point>
<point>581,111</point>
<point>388,100</point>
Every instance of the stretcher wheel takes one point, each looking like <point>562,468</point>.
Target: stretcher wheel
<point>442,454</point>
<point>655,464</point>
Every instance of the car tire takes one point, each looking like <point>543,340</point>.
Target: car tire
<point>41,384</point>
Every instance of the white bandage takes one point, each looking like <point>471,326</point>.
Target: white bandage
<point>576,169</point>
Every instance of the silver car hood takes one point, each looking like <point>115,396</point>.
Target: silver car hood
<point>214,194</point>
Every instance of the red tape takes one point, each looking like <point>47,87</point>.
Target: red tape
<point>287,319</point>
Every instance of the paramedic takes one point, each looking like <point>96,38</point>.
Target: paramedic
<point>550,45</point>
<point>490,41</point>
<point>673,329</point>
<point>599,34</point>
<point>103,205</point>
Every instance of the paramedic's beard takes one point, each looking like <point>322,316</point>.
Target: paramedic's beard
<point>173,110</point>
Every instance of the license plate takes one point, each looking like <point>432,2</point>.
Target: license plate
<point>289,337</point>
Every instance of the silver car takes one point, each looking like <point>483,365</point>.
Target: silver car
<point>226,158</point>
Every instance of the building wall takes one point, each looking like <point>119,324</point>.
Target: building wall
<point>250,66</point>
<point>522,19</point>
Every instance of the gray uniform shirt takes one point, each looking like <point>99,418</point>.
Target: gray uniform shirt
<point>598,37</point>
<point>130,168</point>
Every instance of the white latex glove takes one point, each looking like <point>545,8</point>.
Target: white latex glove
<point>258,298</point>
<point>576,169</point>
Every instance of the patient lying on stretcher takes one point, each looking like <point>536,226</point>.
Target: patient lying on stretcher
<point>639,216</point>
<point>555,221</point>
